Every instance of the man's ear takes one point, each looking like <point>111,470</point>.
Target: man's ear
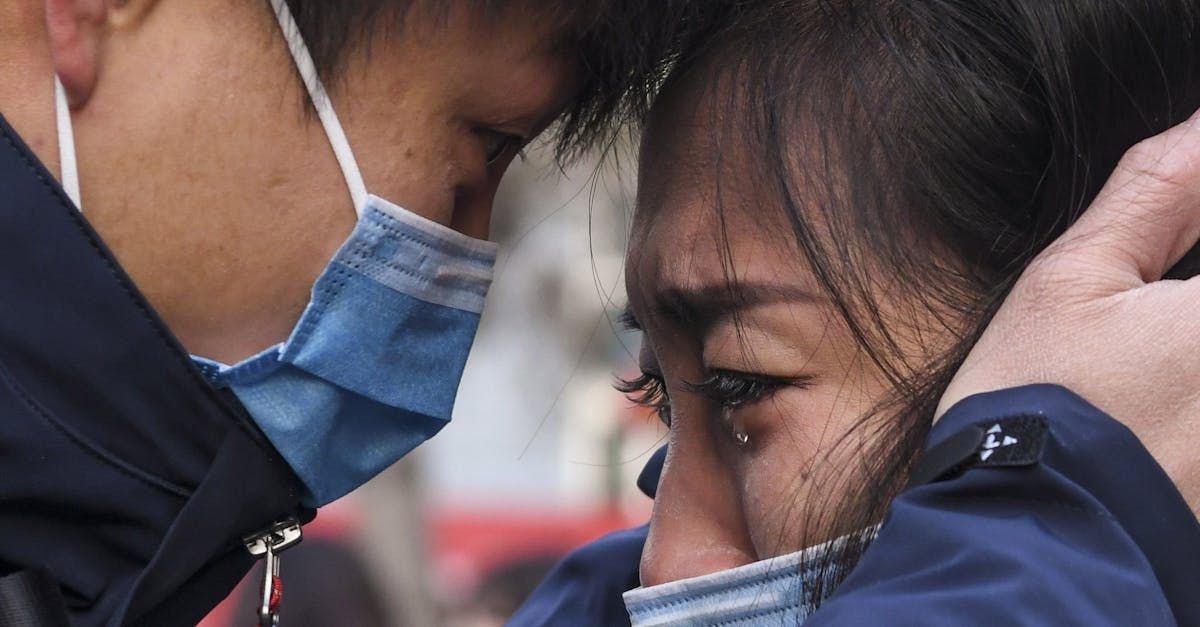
<point>75,28</point>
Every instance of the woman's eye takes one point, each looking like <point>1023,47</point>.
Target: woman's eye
<point>648,390</point>
<point>498,144</point>
<point>730,389</point>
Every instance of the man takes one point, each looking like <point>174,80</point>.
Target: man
<point>184,372</point>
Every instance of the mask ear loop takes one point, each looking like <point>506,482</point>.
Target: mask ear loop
<point>67,163</point>
<point>324,107</point>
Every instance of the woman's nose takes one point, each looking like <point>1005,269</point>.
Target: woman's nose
<point>697,527</point>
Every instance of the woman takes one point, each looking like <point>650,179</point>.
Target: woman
<point>836,198</point>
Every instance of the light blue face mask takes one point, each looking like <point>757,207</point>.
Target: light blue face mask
<point>372,367</point>
<point>775,591</point>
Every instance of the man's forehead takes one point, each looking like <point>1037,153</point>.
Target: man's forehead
<point>345,34</point>
<point>621,48</point>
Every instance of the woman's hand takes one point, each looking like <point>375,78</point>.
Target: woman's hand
<point>1094,314</point>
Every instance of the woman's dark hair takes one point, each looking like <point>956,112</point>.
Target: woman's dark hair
<point>953,140</point>
<point>624,49</point>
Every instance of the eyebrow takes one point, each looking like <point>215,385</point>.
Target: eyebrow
<point>704,306</point>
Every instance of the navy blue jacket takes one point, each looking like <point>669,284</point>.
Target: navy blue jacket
<point>585,587</point>
<point>123,475</point>
<point>1031,507</point>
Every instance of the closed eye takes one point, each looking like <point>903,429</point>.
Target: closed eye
<point>498,144</point>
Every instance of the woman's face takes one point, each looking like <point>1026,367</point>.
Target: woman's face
<point>764,378</point>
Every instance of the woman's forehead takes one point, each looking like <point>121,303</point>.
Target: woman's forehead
<point>690,162</point>
<point>704,212</point>
<point>690,236</point>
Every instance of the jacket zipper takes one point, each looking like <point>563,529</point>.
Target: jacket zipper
<point>268,544</point>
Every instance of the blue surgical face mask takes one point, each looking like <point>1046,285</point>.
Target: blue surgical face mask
<point>777,591</point>
<point>372,367</point>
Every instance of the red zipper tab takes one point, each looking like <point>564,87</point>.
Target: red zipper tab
<point>269,544</point>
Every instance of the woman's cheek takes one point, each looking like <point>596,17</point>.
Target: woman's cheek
<point>774,468</point>
<point>771,503</point>
<point>794,465</point>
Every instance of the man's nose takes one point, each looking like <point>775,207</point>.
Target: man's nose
<point>698,526</point>
<point>473,212</point>
<point>474,195</point>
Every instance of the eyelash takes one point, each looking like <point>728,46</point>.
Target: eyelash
<point>730,390</point>
<point>496,144</point>
<point>727,389</point>
<point>649,391</point>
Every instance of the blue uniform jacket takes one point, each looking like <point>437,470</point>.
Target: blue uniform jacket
<point>124,477</point>
<point>1031,507</point>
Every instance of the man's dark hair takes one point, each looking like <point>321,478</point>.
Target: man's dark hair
<point>624,49</point>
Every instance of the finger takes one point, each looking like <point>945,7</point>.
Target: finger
<point>1147,216</point>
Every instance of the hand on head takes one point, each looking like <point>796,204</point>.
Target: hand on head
<point>1094,314</point>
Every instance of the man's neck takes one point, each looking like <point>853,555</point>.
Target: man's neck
<point>27,78</point>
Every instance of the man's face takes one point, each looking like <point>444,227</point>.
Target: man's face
<point>438,114</point>
<point>218,191</point>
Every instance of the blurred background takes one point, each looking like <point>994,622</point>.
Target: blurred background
<point>541,455</point>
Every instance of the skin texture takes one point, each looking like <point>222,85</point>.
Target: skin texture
<point>204,170</point>
<point>1094,314</point>
<point>1091,313</point>
<point>722,504</point>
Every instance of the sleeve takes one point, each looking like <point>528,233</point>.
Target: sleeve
<point>1030,507</point>
<point>585,587</point>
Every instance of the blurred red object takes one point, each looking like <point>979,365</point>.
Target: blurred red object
<point>338,520</point>
<point>466,544</point>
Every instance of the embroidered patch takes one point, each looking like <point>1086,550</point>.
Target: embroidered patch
<point>1011,441</point>
<point>1014,441</point>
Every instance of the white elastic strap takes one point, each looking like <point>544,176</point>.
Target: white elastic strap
<point>68,166</point>
<point>324,107</point>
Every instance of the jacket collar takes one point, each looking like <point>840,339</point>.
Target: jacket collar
<point>83,345</point>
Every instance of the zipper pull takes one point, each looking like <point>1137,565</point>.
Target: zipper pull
<point>268,544</point>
